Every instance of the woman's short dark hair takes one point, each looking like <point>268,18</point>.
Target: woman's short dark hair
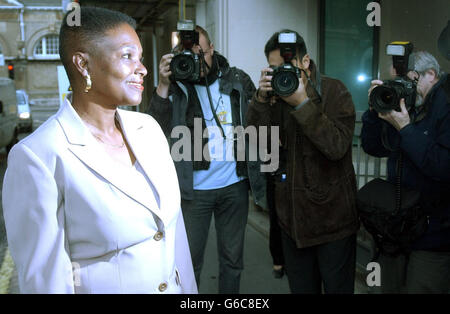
<point>273,44</point>
<point>95,22</point>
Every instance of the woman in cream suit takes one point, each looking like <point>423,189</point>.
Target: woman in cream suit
<point>91,199</point>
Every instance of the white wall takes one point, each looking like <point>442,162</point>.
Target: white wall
<point>207,16</point>
<point>240,29</point>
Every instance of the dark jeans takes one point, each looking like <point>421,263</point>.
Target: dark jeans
<point>332,264</point>
<point>275,243</point>
<point>230,208</point>
<point>427,272</point>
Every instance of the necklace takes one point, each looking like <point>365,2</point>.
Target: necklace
<point>116,122</point>
<point>112,145</point>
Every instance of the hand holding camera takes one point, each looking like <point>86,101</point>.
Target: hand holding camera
<point>185,64</point>
<point>164,74</point>
<point>384,96</point>
<point>392,99</point>
<point>265,89</point>
<point>397,119</point>
<point>298,97</point>
<point>373,84</point>
<point>284,80</point>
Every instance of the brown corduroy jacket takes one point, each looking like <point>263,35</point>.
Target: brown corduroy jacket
<point>316,202</point>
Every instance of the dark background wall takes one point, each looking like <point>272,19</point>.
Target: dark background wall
<point>418,21</point>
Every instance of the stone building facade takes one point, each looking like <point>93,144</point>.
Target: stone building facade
<point>29,41</point>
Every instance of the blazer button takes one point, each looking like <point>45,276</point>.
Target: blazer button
<point>158,236</point>
<point>162,287</point>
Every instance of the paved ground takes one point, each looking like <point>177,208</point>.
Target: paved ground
<point>257,275</point>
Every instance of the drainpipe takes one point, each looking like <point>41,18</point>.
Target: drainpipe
<point>22,31</point>
<point>182,10</point>
<point>21,23</point>
<point>155,60</point>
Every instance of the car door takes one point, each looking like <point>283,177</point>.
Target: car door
<point>8,112</point>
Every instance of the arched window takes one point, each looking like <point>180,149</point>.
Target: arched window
<point>47,47</point>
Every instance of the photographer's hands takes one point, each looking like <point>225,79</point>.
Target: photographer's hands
<point>398,119</point>
<point>374,84</point>
<point>164,72</point>
<point>299,96</point>
<point>265,87</point>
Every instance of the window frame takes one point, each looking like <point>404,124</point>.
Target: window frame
<point>376,40</point>
<point>45,46</point>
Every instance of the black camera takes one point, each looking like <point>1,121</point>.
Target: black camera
<point>386,97</point>
<point>185,65</point>
<point>285,78</point>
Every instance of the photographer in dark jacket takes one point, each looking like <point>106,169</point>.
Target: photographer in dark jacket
<point>423,137</point>
<point>211,185</point>
<point>315,194</point>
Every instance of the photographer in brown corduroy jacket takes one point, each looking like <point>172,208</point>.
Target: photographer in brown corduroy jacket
<point>315,185</point>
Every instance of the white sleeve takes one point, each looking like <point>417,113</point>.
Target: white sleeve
<point>35,225</point>
<point>183,258</point>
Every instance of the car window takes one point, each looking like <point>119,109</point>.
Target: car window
<point>20,98</point>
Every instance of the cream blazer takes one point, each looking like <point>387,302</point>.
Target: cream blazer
<point>75,226</point>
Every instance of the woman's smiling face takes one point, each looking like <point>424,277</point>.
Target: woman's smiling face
<point>116,68</point>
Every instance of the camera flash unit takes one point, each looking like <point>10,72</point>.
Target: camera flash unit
<point>287,38</point>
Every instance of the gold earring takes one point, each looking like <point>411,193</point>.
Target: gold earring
<point>88,83</point>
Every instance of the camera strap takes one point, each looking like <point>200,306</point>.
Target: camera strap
<point>313,86</point>
<point>204,65</point>
<point>385,137</point>
<point>398,167</point>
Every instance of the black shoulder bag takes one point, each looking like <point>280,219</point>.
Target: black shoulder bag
<point>391,214</point>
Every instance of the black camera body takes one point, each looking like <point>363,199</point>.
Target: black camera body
<point>185,65</point>
<point>285,78</point>
<point>385,98</point>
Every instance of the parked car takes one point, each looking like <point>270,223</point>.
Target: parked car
<point>8,114</point>
<point>23,109</point>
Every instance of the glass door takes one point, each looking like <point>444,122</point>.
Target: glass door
<point>349,46</point>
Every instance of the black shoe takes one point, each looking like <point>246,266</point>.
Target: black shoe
<point>278,273</point>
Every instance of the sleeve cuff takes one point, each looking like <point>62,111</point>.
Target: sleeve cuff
<point>259,106</point>
<point>370,116</point>
<point>159,99</point>
<point>302,104</point>
<point>308,110</point>
<point>406,130</point>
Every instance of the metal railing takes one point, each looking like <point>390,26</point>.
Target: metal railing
<point>366,167</point>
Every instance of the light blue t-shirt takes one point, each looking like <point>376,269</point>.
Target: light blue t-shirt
<point>222,169</point>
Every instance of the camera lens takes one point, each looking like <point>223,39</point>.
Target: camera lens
<point>182,67</point>
<point>385,98</point>
<point>285,83</point>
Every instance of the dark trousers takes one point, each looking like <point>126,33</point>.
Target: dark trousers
<point>230,208</point>
<point>275,243</point>
<point>332,264</point>
<point>427,272</point>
